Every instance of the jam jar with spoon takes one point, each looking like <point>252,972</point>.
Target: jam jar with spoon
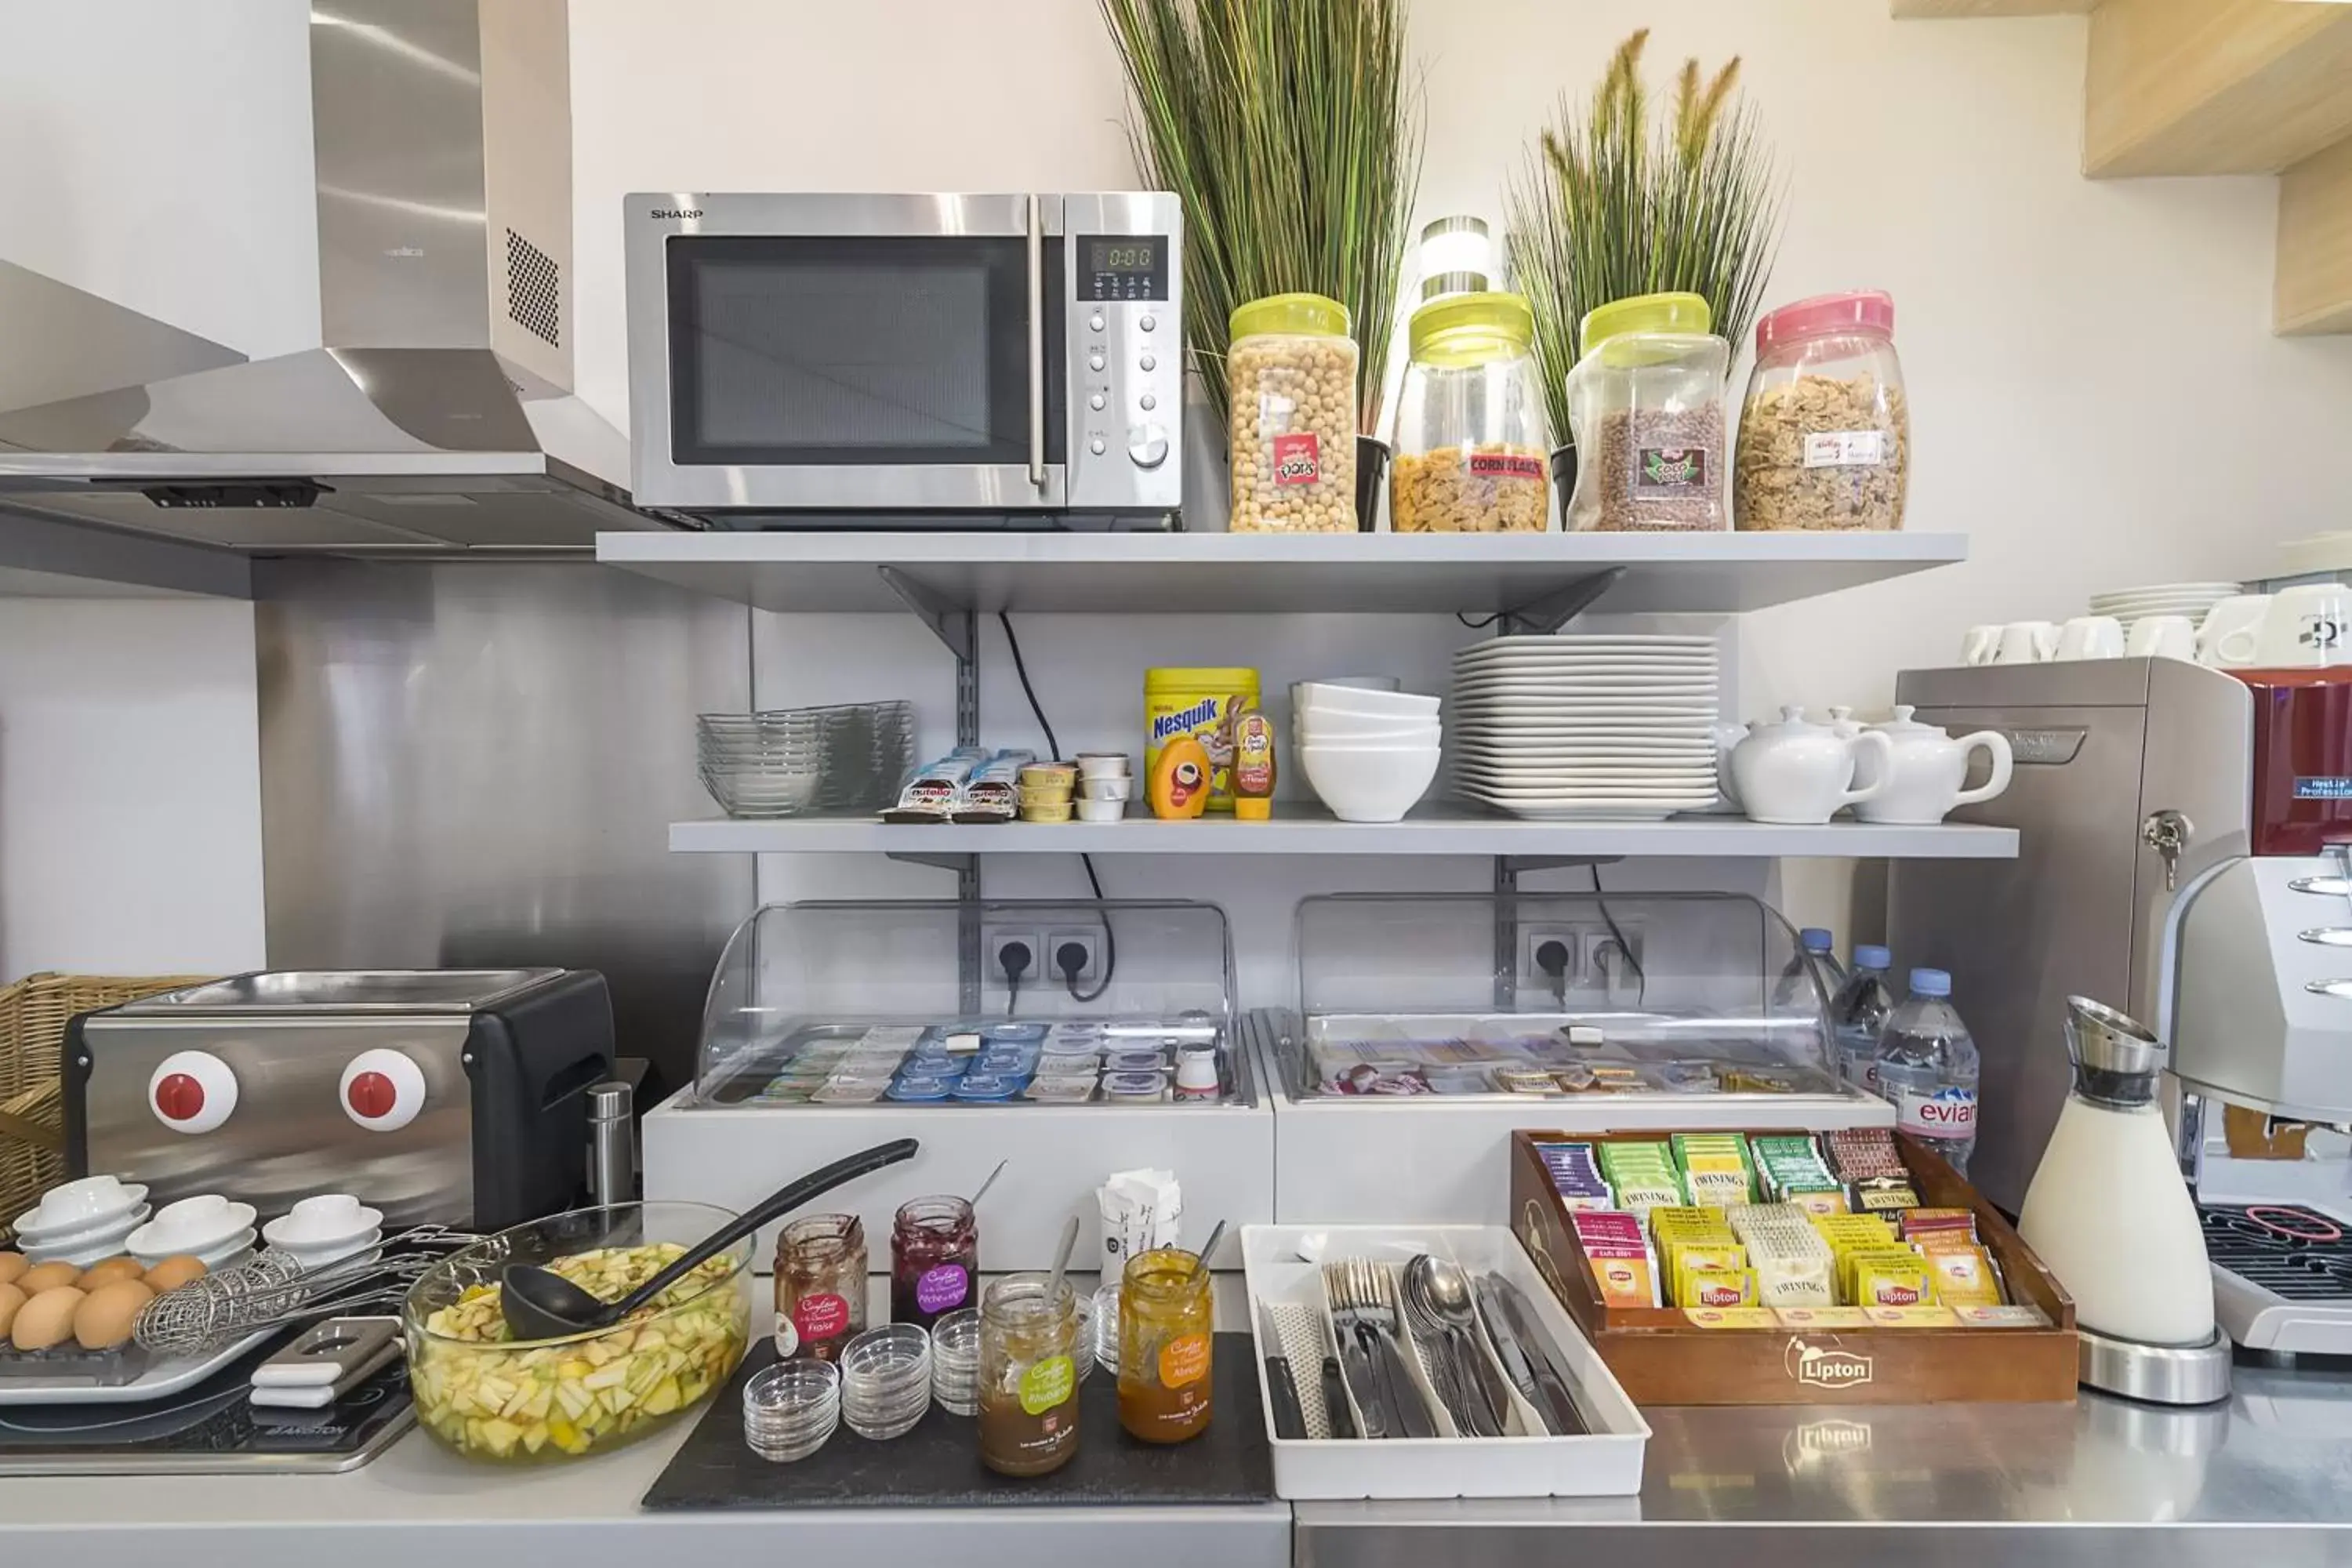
<point>1028,1374</point>
<point>820,1286</point>
<point>1164,1338</point>
<point>934,1259</point>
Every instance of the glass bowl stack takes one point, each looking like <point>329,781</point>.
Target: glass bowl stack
<point>886,1380</point>
<point>793,762</point>
<point>790,1409</point>
<point>955,1363</point>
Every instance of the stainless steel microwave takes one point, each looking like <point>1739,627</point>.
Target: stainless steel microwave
<point>907,361</point>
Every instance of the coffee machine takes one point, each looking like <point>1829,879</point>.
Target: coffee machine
<point>2183,835</point>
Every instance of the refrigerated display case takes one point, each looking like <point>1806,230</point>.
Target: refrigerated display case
<point>1429,1027</point>
<point>830,1027</point>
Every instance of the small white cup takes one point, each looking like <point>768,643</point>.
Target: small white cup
<point>1102,764</point>
<point>2307,626</point>
<point>2239,613</point>
<point>1102,810</point>
<point>2162,637</point>
<point>2026,642</point>
<point>2091,636</point>
<point>1107,789</point>
<point>1978,646</point>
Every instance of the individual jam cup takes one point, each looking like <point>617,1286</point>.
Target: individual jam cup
<point>987,1087</point>
<point>1128,1058</point>
<point>1069,1089</point>
<point>851,1091</point>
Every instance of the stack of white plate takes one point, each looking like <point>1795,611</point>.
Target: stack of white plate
<point>1597,728</point>
<point>2189,599</point>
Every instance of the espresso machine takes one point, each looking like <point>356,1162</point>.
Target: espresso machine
<point>2183,837</point>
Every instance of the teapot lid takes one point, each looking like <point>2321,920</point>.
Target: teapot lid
<point>1904,724</point>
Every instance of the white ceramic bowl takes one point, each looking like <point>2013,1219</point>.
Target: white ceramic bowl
<point>228,1251</point>
<point>319,1256</point>
<point>336,1221</point>
<point>200,1230</point>
<point>94,1248</point>
<point>1301,689</point>
<point>1365,704</point>
<point>1317,728</point>
<point>1369,784</point>
<point>84,1231</point>
<point>79,1205</point>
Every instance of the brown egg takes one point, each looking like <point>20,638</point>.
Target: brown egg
<point>46,1320</point>
<point>10,1299</point>
<point>108,1273</point>
<point>175,1272</point>
<point>106,1315</point>
<point>47,1276</point>
<point>12,1264</point>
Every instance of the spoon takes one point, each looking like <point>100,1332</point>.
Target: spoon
<point>1443,1292</point>
<point>1062,1260</point>
<point>1209,1245</point>
<point>990,1182</point>
<point>541,1304</point>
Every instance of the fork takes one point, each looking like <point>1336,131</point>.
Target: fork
<point>1369,1292</point>
<point>1357,1345</point>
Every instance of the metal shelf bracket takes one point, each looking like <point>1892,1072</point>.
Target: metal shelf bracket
<point>967,872</point>
<point>958,628</point>
<point>1541,618</point>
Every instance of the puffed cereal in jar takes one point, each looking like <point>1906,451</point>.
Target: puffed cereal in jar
<point>1291,378</point>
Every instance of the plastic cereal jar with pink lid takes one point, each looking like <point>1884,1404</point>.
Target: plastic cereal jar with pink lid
<point>1825,434</point>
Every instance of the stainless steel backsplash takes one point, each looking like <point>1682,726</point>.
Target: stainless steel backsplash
<point>476,766</point>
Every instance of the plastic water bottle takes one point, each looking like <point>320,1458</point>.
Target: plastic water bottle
<point>1815,961</point>
<point>1926,1066</point>
<point>1858,1017</point>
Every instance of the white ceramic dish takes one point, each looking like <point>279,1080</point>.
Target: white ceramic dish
<point>1543,813</point>
<point>1371,704</point>
<point>322,1225</point>
<point>162,1237</point>
<point>160,1380</point>
<point>118,1226</point>
<point>1299,690</point>
<point>78,1207</point>
<point>1369,787</point>
<point>82,1254</point>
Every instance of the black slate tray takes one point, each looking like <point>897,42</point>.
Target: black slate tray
<point>938,1465</point>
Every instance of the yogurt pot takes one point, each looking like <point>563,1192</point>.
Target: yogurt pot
<point>1071,1088</point>
<point>1102,810</point>
<point>1127,1058</point>
<point>1134,1087</point>
<point>988,1087</point>
<point>1103,765</point>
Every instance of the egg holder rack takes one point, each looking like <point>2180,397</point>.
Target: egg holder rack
<point>109,1368</point>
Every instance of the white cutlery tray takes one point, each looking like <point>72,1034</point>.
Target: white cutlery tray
<point>1282,1266</point>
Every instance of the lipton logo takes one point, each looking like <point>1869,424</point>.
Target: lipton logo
<point>1897,1296</point>
<point>677,212</point>
<point>1826,1365</point>
<point>1817,1441</point>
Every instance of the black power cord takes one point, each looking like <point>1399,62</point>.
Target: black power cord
<point>1070,972</point>
<point>1624,947</point>
<point>1014,958</point>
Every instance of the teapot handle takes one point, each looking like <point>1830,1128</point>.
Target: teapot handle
<point>1884,745</point>
<point>1996,746</point>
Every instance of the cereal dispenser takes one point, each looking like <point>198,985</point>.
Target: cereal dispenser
<point>1470,436</point>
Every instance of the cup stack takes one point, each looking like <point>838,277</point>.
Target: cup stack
<point>790,1409</point>
<point>886,1380</point>
<point>1104,787</point>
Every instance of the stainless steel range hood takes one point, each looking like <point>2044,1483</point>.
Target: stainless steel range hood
<point>439,414</point>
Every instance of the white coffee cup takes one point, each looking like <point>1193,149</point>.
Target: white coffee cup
<point>1977,647</point>
<point>2026,642</point>
<point>2162,637</point>
<point>2239,613</point>
<point>2091,636</point>
<point>2306,626</point>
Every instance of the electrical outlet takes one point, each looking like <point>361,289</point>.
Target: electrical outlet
<point>1614,965</point>
<point>1089,938</point>
<point>1532,941</point>
<point>994,940</point>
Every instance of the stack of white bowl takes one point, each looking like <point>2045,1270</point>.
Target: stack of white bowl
<point>2192,600</point>
<point>82,1222</point>
<point>325,1229</point>
<point>1369,754</point>
<point>1598,728</point>
<point>208,1227</point>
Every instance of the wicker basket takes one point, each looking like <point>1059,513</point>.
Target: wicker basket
<point>32,1017</point>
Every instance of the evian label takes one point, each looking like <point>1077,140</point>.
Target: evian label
<point>1950,1112</point>
<point>1297,459</point>
<point>1826,1365</point>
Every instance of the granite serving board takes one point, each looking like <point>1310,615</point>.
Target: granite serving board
<point>938,1465</point>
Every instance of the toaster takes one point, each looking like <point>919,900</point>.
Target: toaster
<point>449,1096</point>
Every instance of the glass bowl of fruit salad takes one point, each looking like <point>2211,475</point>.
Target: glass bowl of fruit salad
<point>525,1401</point>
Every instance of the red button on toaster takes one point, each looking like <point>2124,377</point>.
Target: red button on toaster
<point>192,1092</point>
<point>383,1090</point>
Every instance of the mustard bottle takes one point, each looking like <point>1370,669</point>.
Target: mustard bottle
<point>1178,787</point>
<point>1253,772</point>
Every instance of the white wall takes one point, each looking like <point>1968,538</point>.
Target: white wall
<point>2098,399</point>
<point>129,787</point>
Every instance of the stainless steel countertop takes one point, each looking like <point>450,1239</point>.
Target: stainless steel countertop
<point>1925,1486</point>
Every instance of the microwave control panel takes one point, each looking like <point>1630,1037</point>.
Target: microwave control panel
<point>1125,338</point>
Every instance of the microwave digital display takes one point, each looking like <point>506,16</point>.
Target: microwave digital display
<point>1122,267</point>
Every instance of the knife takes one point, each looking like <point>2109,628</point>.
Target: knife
<point>1558,1404</point>
<point>1507,1344</point>
<point>1289,1420</point>
<point>1335,1400</point>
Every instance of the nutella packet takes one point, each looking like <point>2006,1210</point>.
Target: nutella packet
<point>932,791</point>
<point>992,791</point>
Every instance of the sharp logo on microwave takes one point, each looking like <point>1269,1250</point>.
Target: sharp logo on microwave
<point>1830,1365</point>
<point>677,212</point>
<point>1184,721</point>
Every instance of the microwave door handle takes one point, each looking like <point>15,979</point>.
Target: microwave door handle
<point>1036,346</point>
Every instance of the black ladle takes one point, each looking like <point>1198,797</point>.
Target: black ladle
<point>541,1304</point>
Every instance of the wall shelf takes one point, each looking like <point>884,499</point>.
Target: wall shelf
<point>1130,574</point>
<point>1300,827</point>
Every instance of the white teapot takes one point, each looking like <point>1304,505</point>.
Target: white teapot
<point>1798,772</point>
<point>1926,769</point>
